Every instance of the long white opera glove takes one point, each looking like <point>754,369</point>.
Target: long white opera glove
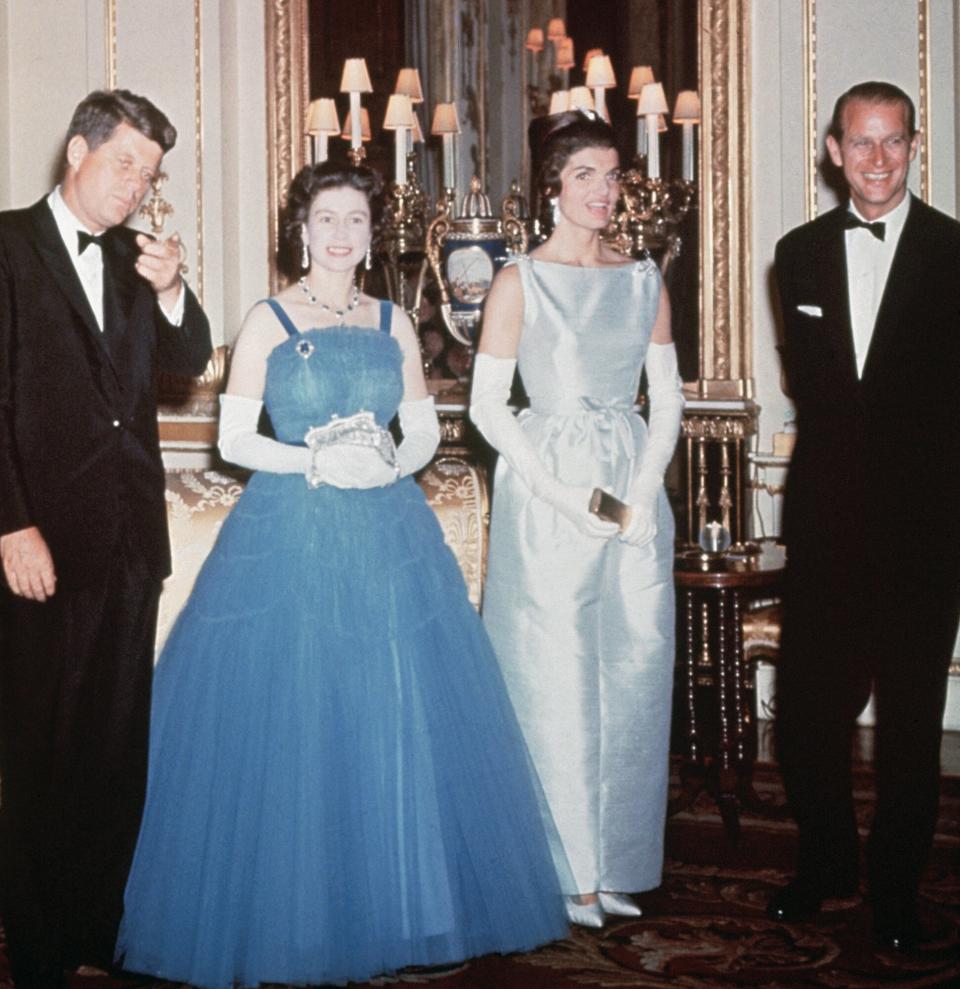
<point>240,443</point>
<point>421,434</point>
<point>341,466</point>
<point>665,390</point>
<point>489,409</point>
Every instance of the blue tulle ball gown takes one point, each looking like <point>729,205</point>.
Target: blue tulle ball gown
<point>338,786</point>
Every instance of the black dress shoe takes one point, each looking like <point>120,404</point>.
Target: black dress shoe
<point>802,899</point>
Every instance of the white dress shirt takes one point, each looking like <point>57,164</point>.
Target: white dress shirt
<point>868,265</point>
<point>89,265</point>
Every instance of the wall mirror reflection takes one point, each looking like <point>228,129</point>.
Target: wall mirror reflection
<point>477,55</point>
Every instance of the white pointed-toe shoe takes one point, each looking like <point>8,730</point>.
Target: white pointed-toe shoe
<point>584,914</point>
<point>619,904</point>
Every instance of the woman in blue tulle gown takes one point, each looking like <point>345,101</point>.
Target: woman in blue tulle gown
<point>338,786</point>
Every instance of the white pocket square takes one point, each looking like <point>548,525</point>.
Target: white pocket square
<point>810,310</point>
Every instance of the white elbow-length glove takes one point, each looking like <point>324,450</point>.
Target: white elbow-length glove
<point>341,466</point>
<point>489,409</point>
<point>240,443</point>
<point>665,391</point>
<point>421,434</point>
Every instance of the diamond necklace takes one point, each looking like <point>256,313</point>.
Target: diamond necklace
<point>339,313</point>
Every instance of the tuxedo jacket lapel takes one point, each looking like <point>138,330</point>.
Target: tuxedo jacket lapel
<point>117,294</point>
<point>831,263</point>
<point>63,275</point>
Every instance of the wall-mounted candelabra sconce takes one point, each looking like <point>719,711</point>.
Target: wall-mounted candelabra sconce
<point>461,243</point>
<point>355,81</point>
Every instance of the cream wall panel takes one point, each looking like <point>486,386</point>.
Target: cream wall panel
<point>6,150</point>
<point>52,61</point>
<point>777,177</point>
<point>208,76</point>
<point>859,40</point>
<point>155,46</point>
<point>52,53</point>
<point>956,96</point>
<point>943,105</point>
<point>244,229</point>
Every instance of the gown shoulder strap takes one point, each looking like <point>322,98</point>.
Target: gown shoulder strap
<point>386,315</point>
<point>281,314</point>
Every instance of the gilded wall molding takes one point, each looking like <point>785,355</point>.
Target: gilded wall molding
<point>810,205</point>
<point>725,331</point>
<point>110,29</point>
<point>923,110</point>
<point>198,138</point>
<point>726,368</point>
<point>287,97</point>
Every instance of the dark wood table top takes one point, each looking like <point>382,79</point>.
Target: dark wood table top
<point>731,569</point>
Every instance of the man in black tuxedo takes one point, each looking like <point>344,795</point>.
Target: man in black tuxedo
<point>870,299</point>
<point>89,311</point>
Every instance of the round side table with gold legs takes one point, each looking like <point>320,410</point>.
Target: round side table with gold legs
<point>716,727</point>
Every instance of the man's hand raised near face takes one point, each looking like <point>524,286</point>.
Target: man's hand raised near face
<point>159,264</point>
<point>27,564</point>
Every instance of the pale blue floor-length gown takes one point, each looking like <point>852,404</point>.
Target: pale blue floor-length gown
<point>584,628</point>
<point>338,785</point>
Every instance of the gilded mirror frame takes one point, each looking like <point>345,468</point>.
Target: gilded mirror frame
<point>725,345</point>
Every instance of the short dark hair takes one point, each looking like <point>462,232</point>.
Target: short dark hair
<point>872,92</point>
<point>309,181</point>
<point>555,138</point>
<point>99,114</point>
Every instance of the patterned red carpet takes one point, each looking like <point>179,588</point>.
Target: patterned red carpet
<point>705,928</point>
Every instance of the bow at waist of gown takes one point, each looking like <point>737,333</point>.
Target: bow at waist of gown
<point>611,415</point>
<point>571,406</point>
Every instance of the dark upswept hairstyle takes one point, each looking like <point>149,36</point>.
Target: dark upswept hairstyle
<point>555,138</point>
<point>99,114</point>
<point>872,92</point>
<point>303,189</point>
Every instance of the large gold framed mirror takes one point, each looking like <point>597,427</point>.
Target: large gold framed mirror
<point>724,362</point>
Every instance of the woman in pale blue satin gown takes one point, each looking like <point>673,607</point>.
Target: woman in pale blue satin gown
<point>338,785</point>
<point>580,610</point>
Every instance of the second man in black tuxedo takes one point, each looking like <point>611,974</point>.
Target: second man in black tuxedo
<point>89,311</point>
<point>870,299</point>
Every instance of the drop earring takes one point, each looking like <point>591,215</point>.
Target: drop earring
<point>368,260</point>
<point>305,257</point>
<point>555,209</point>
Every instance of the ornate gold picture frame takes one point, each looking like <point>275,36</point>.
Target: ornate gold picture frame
<point>726,367</point>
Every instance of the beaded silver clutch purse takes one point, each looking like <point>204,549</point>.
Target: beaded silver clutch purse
<point>359,429</point>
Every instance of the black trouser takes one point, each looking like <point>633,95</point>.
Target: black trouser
<point>75,676</point>
<point>839,640</point>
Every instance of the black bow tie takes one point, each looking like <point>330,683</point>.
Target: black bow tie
<point>878,228</point>
<point>85,240</point>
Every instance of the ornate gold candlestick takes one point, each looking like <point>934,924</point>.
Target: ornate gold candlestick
<point>156,209</point>
<point>515,220</point>
<point>650,217</point>
<point>404,240</point>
